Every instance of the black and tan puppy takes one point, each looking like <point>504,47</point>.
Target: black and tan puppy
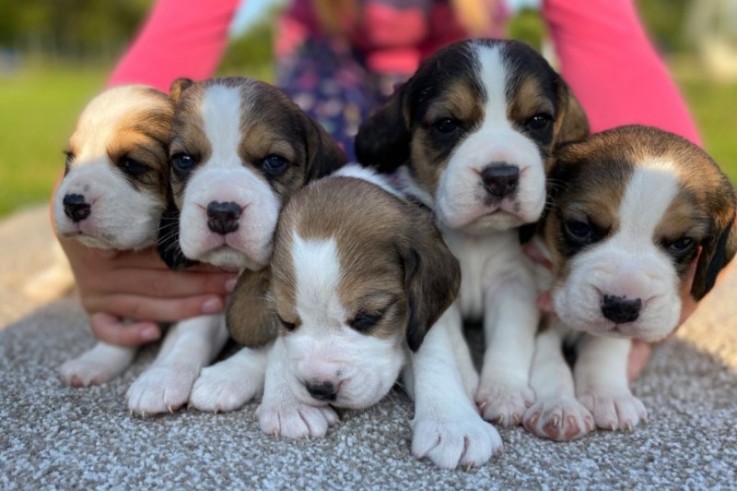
<point>632,209</point>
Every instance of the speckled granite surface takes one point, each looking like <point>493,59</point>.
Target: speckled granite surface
<point>52,436</point>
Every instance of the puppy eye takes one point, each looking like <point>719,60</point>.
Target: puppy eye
<point>132,167</point>
<point>539,122</point>
<point>274,165</point>
<point>289,326</point>
<point>183,162</point>
<point>578,231</point>
<point>68,162</point>
<point>680,247</point>
<point>363,322</point>
<point>446,125</point>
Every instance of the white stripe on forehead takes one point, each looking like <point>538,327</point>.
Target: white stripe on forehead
<point>317,275</point>
<point>493,77</point>
<point>221,115</point>
<point>649,192</point>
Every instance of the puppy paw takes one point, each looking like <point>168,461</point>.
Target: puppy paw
<point>558,418</point>
<point>82,372</point>
<point>161,389</point>
<point>504,403</point>
<point>464,440</point>
<point>218,390</point>
<point>296,420</point>
<point>621,411</point>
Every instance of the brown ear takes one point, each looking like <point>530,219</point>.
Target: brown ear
<point>719,248</point>
<point>250,318</point>
<point>324,154</point>
<point>571,124</point>
<point>432,277</point>
<point>383,139</point>
<point>178,86</point>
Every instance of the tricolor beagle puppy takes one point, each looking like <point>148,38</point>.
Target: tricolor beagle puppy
<point>474,130</point>
<point>113,194</point>
<point>240,148</point>
<point>360,281</point>
<point>632,209</point>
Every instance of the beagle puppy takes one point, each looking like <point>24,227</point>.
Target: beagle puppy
<point>358,287</point>
<point>633,210</point>
<point>239,149</point>
<point>473,133</point>
<point>113,193</point>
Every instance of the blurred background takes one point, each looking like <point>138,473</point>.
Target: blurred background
<point>56,54</point>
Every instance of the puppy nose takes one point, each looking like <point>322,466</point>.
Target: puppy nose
<point>500,180</point>
<point>322,391</point>
<point>222,218</point>
<point>620,309</point>
<point>75,207</point>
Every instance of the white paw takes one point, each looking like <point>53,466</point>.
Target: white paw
<point>83,372</point>
<point>558,418</point>
<point>161,389</point>
<point>621,411</point>
<point>464,440</point>
<point>218,390</point>
<point>296,420</point>
<point>503,402</point>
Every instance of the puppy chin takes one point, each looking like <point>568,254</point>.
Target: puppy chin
<point>232,260</point>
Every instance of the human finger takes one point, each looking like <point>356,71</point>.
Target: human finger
<point>113,330</point>
<point>154,309</point>
<point>162,284</point>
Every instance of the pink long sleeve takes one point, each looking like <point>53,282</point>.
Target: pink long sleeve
<point>181,38</point>
<point>609,62</point>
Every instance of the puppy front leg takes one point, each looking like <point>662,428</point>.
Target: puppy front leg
<point>228,385</point>
<point>280,412</point>
<point>600,374</point>
<point>98,365</point>
<point>187,347</point>
<point>511,320</point>
<point>447,427</point>
<point>556,413</point>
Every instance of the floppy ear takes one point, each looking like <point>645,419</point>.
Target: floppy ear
<point>383,139</point>
<point>432,278</point>
<point>571,124</point>
<point>250,318</point>
<point>324,154</point>
<point>178,86</point>
<point>168,241</point>
<point>717,251</point>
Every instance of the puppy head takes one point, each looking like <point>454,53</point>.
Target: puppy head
<point>356,273</point>
<point>631,210</point>
<point>477,123</point>
<point>240,149</point>
<point>115,184</point>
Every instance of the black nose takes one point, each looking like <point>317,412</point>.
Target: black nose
<point>75,207</point>
<point>620,309</point>
<point>500,180</point>
<point>322,391</point>
<point>222,218</point>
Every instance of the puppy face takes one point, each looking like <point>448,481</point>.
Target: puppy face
<point>115,184</point>
<point>355,273</point>
<point>632,208</point>
<point>477,123</point>
<point>240,148</point>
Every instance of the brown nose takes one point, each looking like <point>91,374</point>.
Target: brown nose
<point>322,391</point>
<point>222,218</point>
<point>75,207</point>
<point>620,310</point>
<point>500,180</point>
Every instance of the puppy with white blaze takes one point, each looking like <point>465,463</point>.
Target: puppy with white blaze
<point>474,131</point>
<point>113,194</point>
<point>240,148</point>
<point>360,282</point>
<point>633,211</point>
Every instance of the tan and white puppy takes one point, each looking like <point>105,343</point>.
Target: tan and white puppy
<point>631,210</point>
<point>113,194</point>
<point>475,128</point>
<point>240,148</point>
<point>358,277</point>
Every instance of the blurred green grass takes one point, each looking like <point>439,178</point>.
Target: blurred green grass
<point>40,103</point>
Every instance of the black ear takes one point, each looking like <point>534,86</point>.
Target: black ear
<point>383,140</point>
<point>168,240</point>
<point>432,278</point>
<point>179,86</point>
<point>324,155</point>
<point>716,252</point>
<point>250,318</point>
<point>571,123</point>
